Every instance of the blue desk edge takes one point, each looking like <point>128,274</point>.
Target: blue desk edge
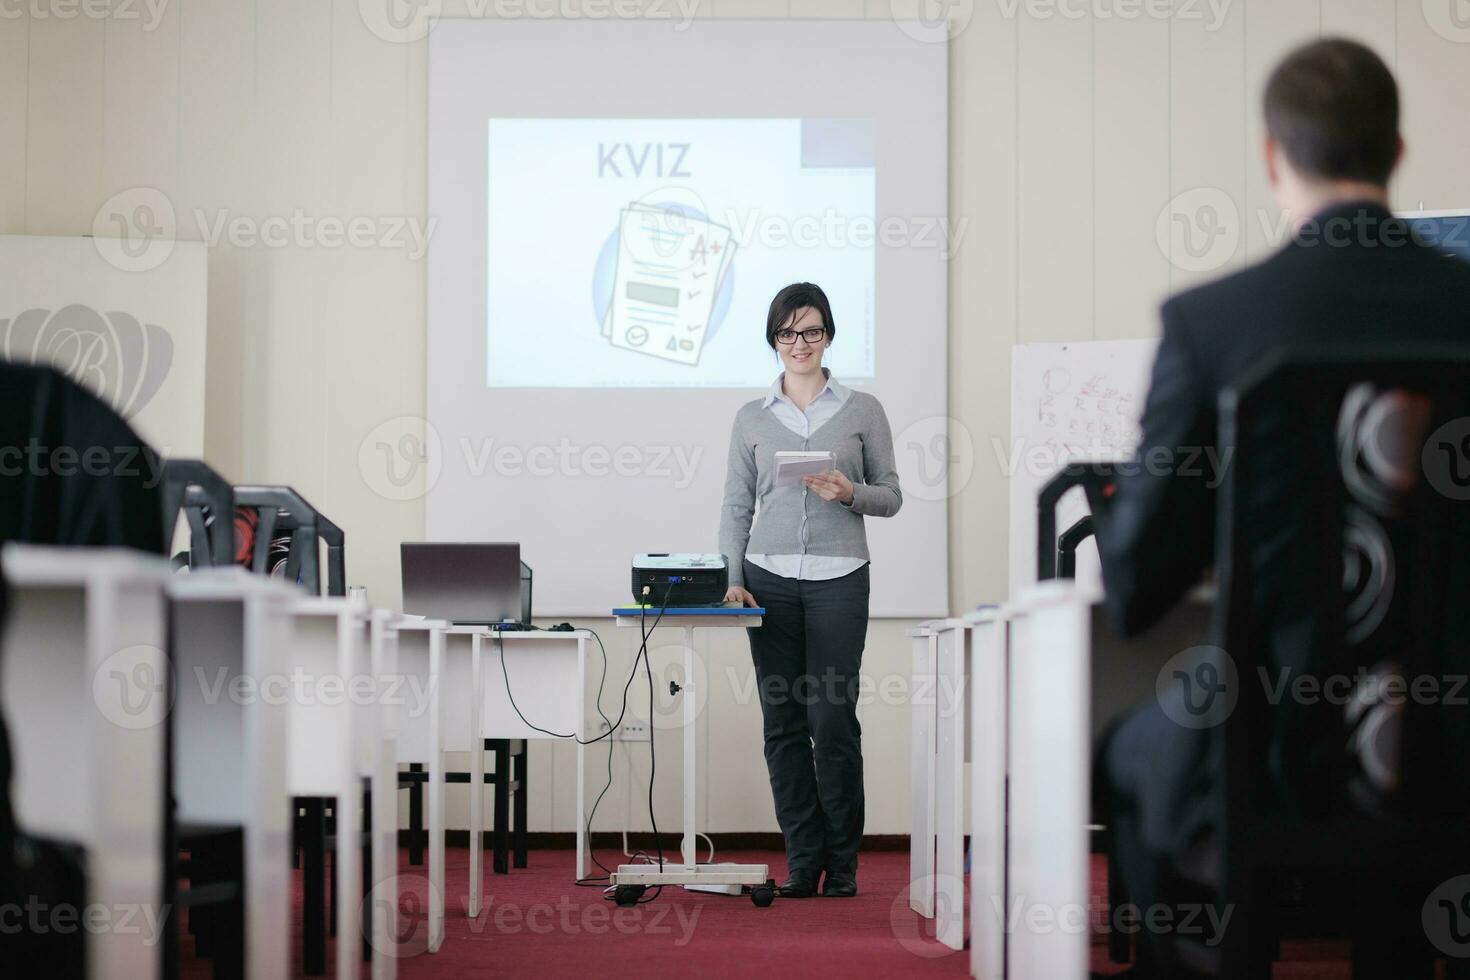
<point>652,611</point>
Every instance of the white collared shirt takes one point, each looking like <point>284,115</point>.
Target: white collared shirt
<point>811,568</point>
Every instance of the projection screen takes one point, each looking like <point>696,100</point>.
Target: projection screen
<point>615,204</point>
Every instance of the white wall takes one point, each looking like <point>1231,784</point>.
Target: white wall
<point>1069,135</point>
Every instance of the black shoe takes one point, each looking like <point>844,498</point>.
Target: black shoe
<point>800,883</point>
<point>839,884</point>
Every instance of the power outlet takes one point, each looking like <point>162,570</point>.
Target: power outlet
<point>628,731</point>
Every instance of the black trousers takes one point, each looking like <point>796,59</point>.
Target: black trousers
<point>1157,780</point>
<point>807,655</point>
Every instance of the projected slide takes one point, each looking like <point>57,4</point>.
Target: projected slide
<point>645,252</point>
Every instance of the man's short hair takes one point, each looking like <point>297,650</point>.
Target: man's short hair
<point>1333,107</point>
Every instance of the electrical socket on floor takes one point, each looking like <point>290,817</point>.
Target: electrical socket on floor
<point>628,731</point>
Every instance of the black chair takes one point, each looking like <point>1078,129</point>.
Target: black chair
<point>208,503</point>
<point>509,780</point>
<point>1056,558</point>
<point>1332,448</point>
<point>283,509</point>
<point>280,509</point>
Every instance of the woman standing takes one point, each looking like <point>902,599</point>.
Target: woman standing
<point>801,552</point>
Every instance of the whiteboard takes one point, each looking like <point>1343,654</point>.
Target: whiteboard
<point>1075,401</point>
<point>134,336</point>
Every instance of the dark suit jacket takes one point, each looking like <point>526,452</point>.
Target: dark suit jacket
<point>1355,278</point>
<point>72,472</point>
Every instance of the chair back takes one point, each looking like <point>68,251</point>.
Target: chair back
<point>1343,561</point>
<point>283,509</point>
<point>208,503</point>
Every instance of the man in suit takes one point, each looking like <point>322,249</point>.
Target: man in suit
<point>1350,275</point>
<point>72,473</point>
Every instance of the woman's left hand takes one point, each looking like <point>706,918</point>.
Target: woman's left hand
<point>831,485</point>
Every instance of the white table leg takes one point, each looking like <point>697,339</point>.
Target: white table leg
<point>477,775</point>
<point>436,796</point>
<point>987,809</point>
<point>690,847</point>
<point>949,791</point>
<point>921,776</point>
<point>1049,767</point>
<point>582,841</point>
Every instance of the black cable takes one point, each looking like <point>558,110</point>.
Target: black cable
<point>648,669</point>
<point>652,763</point>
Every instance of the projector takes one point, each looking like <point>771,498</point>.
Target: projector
<point>686,579</point>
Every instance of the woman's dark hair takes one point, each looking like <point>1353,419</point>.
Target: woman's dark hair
<point>1334,108</point>
<point>795,297</point>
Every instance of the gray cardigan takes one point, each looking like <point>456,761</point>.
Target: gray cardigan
<point>790,520</point>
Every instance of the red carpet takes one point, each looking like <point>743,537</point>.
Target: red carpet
<point>536,923</point>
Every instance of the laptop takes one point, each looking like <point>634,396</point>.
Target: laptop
<point>469,584</point>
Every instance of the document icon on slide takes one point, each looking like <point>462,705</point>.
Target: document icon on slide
<point>670,267</point>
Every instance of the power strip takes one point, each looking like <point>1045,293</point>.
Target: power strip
<point>716,889</point>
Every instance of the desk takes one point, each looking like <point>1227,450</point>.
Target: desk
<point>546,671</point>
<point>689,872</point>
<point>419,650</point>
<point>1070,676</point>
<point>83,683</point>
<point>989,677</point>
<point>328,730</point>
<point>232,628</point>
<point>939,693</point>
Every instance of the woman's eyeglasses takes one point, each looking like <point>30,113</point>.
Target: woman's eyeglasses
<point>811,335</point>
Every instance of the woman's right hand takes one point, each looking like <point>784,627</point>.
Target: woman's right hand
<point>736,594</point>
